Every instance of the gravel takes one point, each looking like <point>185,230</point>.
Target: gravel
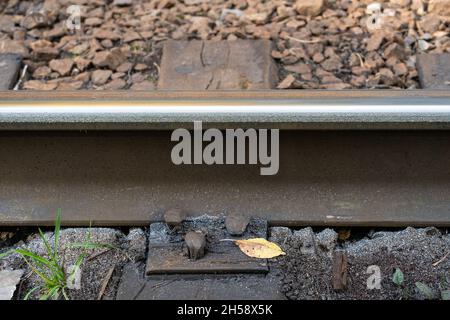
<point>96,266</point>
<point>307,267</point>
<point>305,272</point>
<point>333,44</point>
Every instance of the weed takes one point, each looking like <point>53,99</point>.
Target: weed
<point>398,277</point>
<point>50,268</point>
<point>445,288</point>
<point>425,290</point>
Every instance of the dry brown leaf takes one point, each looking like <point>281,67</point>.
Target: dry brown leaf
<point>344,234</point>
<point>259,248</point>
<point>105,283</point>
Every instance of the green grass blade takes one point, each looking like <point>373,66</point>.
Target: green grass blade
<point>27,296</point>
<point>50,251</point>
<point>50,294</point>
<point>80,260</point>
<point>48,269</point>
<point>44,297</point>
<point>76,266</point>
<point>57,229</point>
<point>33,256</point>
<point>40,274</point>
<point>41,262</point>
<point>89,237</point>
<point>66,297</point>
<point>58,275</point>
<point>5,254</point>
<point>54,294</point>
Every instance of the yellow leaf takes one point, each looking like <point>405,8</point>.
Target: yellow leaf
<point>259,248</point>
<point>344,234</point>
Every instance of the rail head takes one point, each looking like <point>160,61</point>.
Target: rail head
<point>160,110</point>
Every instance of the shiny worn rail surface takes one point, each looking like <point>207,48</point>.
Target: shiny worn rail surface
<point>421,109</point>
<point>355,157</point>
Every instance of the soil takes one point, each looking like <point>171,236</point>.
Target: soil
<point>308,275</point>
<point>96,266</point>
<point>305,272</point>
<point>10,236</point>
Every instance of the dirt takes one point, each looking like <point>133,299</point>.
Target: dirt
<point>307,267</point>
<point>5,237</point>
<point>13,235</point>
<point>305,272</point>
<point>96,266</point>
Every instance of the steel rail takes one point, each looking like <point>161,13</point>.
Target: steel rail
<point>104,157</point>
<point>162,110</point>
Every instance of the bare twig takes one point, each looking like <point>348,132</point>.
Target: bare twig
<point>162,284</point>
<point>156,286</point>
<point>157,68</point>
<point>361,60</point>
<point>441,260</point>
<point>21,283</point>
<point>304,41</point>
<point>96,255</point>
<point>292,50</point>
<point>105,282</point>
<point>24,71</point>
<point>228,240</point>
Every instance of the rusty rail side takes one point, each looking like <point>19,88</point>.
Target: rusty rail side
<point>327,177</point>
